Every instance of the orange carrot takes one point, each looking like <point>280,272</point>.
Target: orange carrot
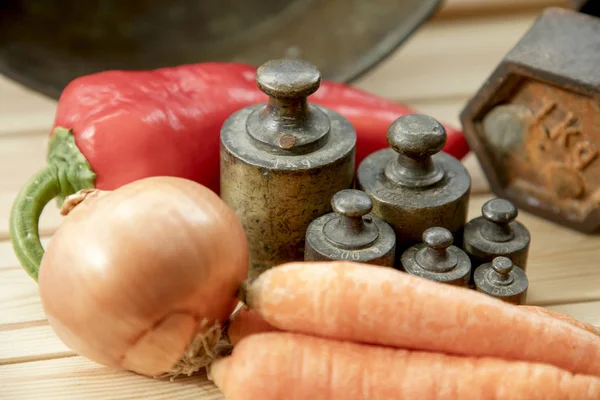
<point>564,317</point>
<point>278,366</point>
<point>379,305</point>
<point>249,322</point>
<point>244,323</point>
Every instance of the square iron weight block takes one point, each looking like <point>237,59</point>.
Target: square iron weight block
<point>535,123</point>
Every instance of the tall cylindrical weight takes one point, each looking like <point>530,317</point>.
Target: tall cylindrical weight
<point>281,163</point>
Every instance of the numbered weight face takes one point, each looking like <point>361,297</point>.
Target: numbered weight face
<point>364,255</point>
<point>534,125</point>
<point>513,290</point>
<point>354,255</point>
<point>379,252</point>
<point>287,163</point>
<point>501,292</point>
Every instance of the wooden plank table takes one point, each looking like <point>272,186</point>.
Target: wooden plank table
<point>435,72</point>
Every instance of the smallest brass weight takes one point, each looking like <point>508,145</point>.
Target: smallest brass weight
<point>503,280</point>
<point>437,259</point>
<point>351,233</point>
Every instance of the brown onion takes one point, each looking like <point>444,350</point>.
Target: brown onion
<point>143,277</point>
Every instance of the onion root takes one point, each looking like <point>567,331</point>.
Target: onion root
<point>208,345</point>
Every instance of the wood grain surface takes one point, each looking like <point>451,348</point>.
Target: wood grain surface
<point>435,72</point>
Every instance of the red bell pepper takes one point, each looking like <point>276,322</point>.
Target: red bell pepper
<point>115,127</point>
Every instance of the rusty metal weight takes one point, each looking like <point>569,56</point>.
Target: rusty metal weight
<point>535,123</point>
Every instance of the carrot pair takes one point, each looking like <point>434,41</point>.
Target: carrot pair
<point>341,330</point>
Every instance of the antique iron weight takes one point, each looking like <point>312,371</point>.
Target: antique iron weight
<point>414,185</point>
<point>437,259</point>
<point>502,279</point>
<point>496,233</point>
<point>351,233</point>
<point>281,162</point>
<point>534,124</point>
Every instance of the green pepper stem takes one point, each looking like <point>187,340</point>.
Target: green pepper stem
<point>25,215</point>
<point>67,172</point>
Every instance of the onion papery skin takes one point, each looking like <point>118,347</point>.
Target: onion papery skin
<point>132,275</point>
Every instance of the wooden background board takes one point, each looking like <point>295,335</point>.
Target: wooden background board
<point>436,71</point>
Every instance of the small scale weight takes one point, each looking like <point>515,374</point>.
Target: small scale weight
<point>351,233</point>
<point>503,280</point>
<point>497,233</point>
<point>437,259</point>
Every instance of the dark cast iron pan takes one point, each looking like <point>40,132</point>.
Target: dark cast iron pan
<point>44,44</point>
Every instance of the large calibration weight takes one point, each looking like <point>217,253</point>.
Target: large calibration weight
<point>282,162</point>
<point>535,123</point>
